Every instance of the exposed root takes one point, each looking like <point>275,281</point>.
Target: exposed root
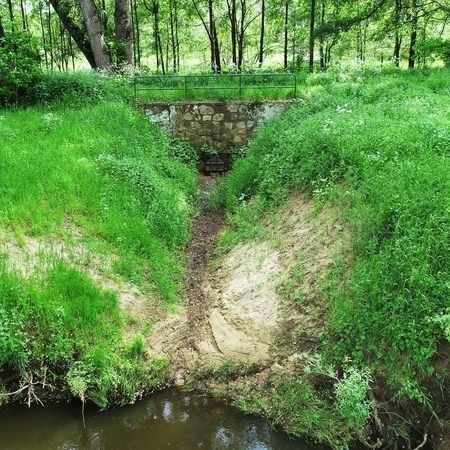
<point>29,386</point>
<point>363,441</point>
<point>425,439</point>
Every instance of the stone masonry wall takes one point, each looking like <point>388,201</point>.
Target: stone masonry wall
<point>218,124</point>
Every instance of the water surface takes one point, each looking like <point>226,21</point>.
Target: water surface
<point>165,420</point>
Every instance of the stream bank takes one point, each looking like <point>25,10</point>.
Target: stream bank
<point>251,322</point>
<point>254,313</point>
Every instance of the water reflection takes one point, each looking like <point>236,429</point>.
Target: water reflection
<point>168,419</point>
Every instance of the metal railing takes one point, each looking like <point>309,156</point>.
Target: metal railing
<point>215,86</point>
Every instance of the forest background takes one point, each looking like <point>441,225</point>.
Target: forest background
<point>220,35</point>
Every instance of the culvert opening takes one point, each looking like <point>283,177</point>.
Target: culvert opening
<point>214,163</point>
<point>214,124</point>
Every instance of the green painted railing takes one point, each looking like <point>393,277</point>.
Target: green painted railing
<point>228,86</point>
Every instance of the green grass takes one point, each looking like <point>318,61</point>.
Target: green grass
<point>377,145</point>
<point>94,187</point>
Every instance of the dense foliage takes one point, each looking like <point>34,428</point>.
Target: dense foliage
<point>120,202</point>
<point>19,65</point>
<point>376,144</point>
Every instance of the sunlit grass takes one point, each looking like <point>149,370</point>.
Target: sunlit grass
<point>98,189</point>
<point>376,143</point>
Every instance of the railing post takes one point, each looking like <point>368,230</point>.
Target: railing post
<point>240,86</point>
<point>185,86</point>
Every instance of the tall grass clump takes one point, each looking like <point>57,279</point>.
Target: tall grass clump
<point>376,144</point>
<point>71,89</point>
<point>88,193</point>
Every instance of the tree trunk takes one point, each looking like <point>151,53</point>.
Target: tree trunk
<point>233,26</point>
<point>241,35</point>
<point>215,51</point>
<point>312,18</point>
<point>124,31</point>
<point>136,33</point>
<point>11,13</point>
<point>177,39</point>
<point>218,64</point>
<point>211,31</point>
<point>92,22</point>
<point>157,35</point>
<point>398,37</point>
<point>44,38</point>
<point>322,49</point>
<point>78,34</point>
<point>2,30</point>
<point>24,16</point>
<point>261,35</point>
<point>413,37</point>
<point>172,17</point>
<point>286,18</point>
<point>50,36</point>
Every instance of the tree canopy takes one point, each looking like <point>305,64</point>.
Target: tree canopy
<point>229,35</point>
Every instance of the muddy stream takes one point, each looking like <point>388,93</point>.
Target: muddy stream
<point>169,419</point>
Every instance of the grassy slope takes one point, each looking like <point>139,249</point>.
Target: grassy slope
<point>377,145</point>
<point>103,181</point>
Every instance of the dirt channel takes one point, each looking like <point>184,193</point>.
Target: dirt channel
<point>235,307</point>
<point>261,303</point>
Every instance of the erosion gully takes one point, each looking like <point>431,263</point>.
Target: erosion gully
<point>171,418</point>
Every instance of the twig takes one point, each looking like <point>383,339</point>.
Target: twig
<point>82,409</point>
<point>15,392</point>
<point>376,418</point>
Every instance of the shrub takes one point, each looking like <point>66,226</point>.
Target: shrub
<point>19,65</point>
<point>67,88</point>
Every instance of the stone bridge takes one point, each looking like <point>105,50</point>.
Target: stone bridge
<point>221,125</point>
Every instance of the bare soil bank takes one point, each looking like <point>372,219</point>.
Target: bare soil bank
<point>232,308</point>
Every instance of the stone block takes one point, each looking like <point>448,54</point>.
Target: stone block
<point>205,109</point>
<point>233,107</point>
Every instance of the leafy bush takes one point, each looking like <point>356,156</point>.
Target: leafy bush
<point>19,65</point>
<point>67,88</point>
<point>433,49</point>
